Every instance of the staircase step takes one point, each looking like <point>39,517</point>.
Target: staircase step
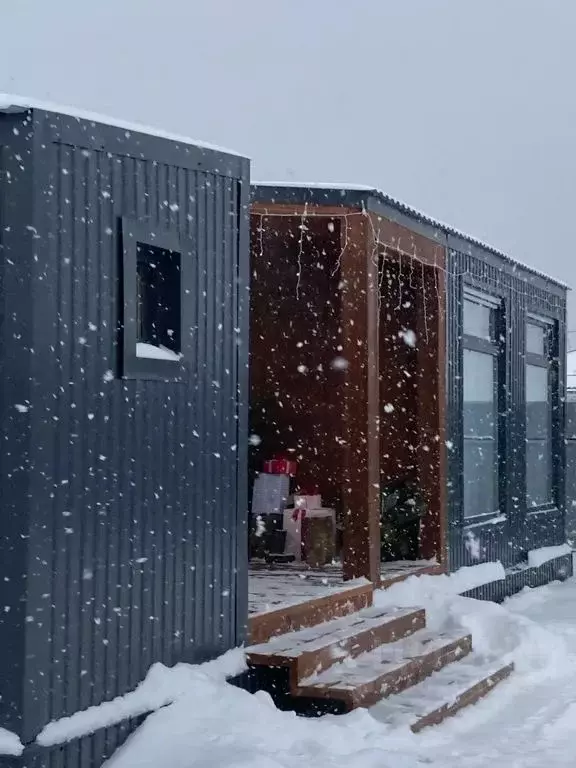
<point>352,596</point>
<point>312,650</point>
<point>443,694</point>
<point>386,670</point>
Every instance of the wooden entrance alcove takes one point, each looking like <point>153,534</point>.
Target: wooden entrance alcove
<point>347,359</point>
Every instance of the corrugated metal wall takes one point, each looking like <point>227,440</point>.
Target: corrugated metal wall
<point>521,292</point>
<point>137,493</point>
<point>571,468</point>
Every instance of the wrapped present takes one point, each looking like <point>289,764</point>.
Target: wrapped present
<point>280,465</point>
<point>270,494</point>
<point>318,540</point>
<point>295,521</point>
<point>305,501</point>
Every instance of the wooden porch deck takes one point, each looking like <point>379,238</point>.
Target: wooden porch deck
<point>286,597</point>
<point>278,586</point>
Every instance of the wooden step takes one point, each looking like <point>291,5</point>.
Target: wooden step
<point>310,651</point>
<point>442,695</point>
<point>386,670</point>
<point>352,597</point>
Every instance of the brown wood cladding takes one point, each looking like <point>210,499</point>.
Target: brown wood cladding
<point>399,380</point>
<point>294,333</point>
<point>318,294</point>
<point>359,312</point>
<point>414,274</point>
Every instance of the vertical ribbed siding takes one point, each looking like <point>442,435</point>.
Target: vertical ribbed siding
<point>137,500</point>
<point>570,409</point>
<point>506,541</point>
<point>241,374</point>
<point>16,258</point>
<point>454,437</point>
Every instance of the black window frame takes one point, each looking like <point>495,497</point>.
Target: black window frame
<point>145,233</point>
<point>549,361</point>
<point>495,346</point>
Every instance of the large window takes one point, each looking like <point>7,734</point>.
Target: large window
<point>539,413</point>
<point>482,344</point>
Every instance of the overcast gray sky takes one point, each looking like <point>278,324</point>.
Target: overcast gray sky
<point>463,108</point>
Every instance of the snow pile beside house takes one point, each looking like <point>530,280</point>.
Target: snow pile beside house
<point>162,686</point>
<point>214,725</point>
<point>538,557</point>
<point>200,721</point>
<point>497,630</point>
<point>10,744</point>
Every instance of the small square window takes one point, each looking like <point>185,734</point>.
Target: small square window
<point>158,315</point>
<point>154,279</point>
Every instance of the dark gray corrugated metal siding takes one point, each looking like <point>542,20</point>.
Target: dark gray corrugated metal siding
<point>571,467</point>
<point>521,292</point>
<point>136,535</point>
<point>16,196</point>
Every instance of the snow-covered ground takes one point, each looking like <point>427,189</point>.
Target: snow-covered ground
<point>529,721</point>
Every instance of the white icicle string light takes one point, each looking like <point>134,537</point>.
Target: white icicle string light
<point>424,301</point>
<point>344,247</point>
<point>303,229</point>
<point>400,252</point>
<point>399,282</point>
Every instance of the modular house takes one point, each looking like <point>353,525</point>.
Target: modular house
<point>399,363</point>
<point>451,383</point>
<point>124,413</point>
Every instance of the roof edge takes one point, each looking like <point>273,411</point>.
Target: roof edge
<point>13,104</point>
<point>343,190</point>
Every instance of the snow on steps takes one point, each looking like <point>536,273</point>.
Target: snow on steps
<point>312,650</point>
<point>377,654</point>
<point>442,695</point>
<point>350,598</point>
<point>388,669</point>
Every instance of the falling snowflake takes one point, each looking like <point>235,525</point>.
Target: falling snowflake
<point>339,364</point>
<point>472,544</point>
<point>409,337</point>
<point>260,526</point>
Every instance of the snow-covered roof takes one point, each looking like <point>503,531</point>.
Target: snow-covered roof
<point>12,103</point>
<point>409,211</point>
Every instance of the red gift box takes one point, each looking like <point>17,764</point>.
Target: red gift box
<point>280,465</point>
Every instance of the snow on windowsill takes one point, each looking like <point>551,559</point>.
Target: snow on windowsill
<point>10,744</point>
<point>13,103</point>
<point>489,521</point>
<point>538,557</point>
<point>151,352</point>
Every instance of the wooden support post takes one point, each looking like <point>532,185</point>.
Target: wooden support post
<point>431,389</point>
<point>361,475</point>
